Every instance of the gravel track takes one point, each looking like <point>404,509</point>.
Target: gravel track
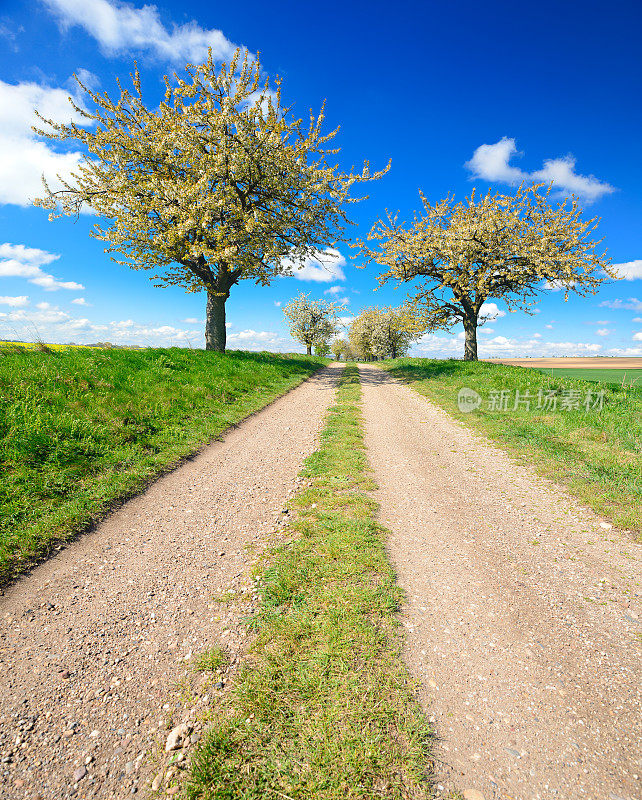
<point>94,643</point>
<point>523,613</point>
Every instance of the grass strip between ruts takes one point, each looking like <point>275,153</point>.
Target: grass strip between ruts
<point>323,706</point>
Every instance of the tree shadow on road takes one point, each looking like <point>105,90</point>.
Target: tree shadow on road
<point>409,370</point>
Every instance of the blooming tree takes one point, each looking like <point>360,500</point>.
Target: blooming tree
<point>360,335</point>
<point>312,322</point>
<point>217,184</point>
<point>458,256</point>
<point>341,349</point>
<point>382,333</point>
<point>393,333</point>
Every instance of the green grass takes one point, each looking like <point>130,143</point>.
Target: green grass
<point>596,454</point>
<point>323,707</point>
<point>210,660</point>
<point>622,377</point>
<point>84,428</point>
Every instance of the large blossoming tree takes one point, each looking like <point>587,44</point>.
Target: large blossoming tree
<point>218,184</point>
<point>457,256</point>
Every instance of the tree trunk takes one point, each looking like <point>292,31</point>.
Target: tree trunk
<point>308,349</point>
<point>215,331</point>
<point>470,346</point>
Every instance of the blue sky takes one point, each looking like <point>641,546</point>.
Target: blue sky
<point>457,94</point>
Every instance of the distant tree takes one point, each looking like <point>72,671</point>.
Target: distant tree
<point>322,349</point>
<point>217,184</point>
<point>393,332</point>
<point>382,333</point>
<point>341,350</point>
<point>312,322</point>
<point>360,335</point>
<point>458,256</point>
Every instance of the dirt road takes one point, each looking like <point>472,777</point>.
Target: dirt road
<point>94,642</point>
<point>523,615</point>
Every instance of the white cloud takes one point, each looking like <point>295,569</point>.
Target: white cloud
<point>260,340</point>
<point>193,321</point>
<point>131,332</point>
<point>278,303</point>
<point>15,302</point>
<point>603,331</point>
<point>558,286</point>
<point>334,290</point>
<point>491,162</point>
<point>344,320</point>
<point>637,319</point>
<point>442,345</point>
<point>80,301</point>
<point>51,284</point>
<point>51,324</point>
<point>325,267</point>
<point>121,28</point>
<point>24,158</point>
<point>629,270</point>
<point>631,304</point>
<point>263,336</point>
<point>18,261</point>
<point>87,79</point>
<point>637,337</point>
<point>10,34</point>
<point>625,351</point>
<point>550,327</point>
<point>491,311</point>
<point>45,315</point>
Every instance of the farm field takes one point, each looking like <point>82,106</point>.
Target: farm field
<point>83,428</point>
<point>622,371</point>
<point>41,346</point>
<point>621,377</point>
<point>595,452</point>
<point>579,362</point>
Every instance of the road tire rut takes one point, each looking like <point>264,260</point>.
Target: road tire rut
<point>93,643</point>
<point>523,613</point>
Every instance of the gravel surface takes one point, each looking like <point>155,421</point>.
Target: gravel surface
<point>95,644</point>
<point>524,611</point>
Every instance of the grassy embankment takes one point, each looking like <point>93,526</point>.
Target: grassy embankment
<point>323,707</point>
<point>597,454</point>
<point>84,428</point>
